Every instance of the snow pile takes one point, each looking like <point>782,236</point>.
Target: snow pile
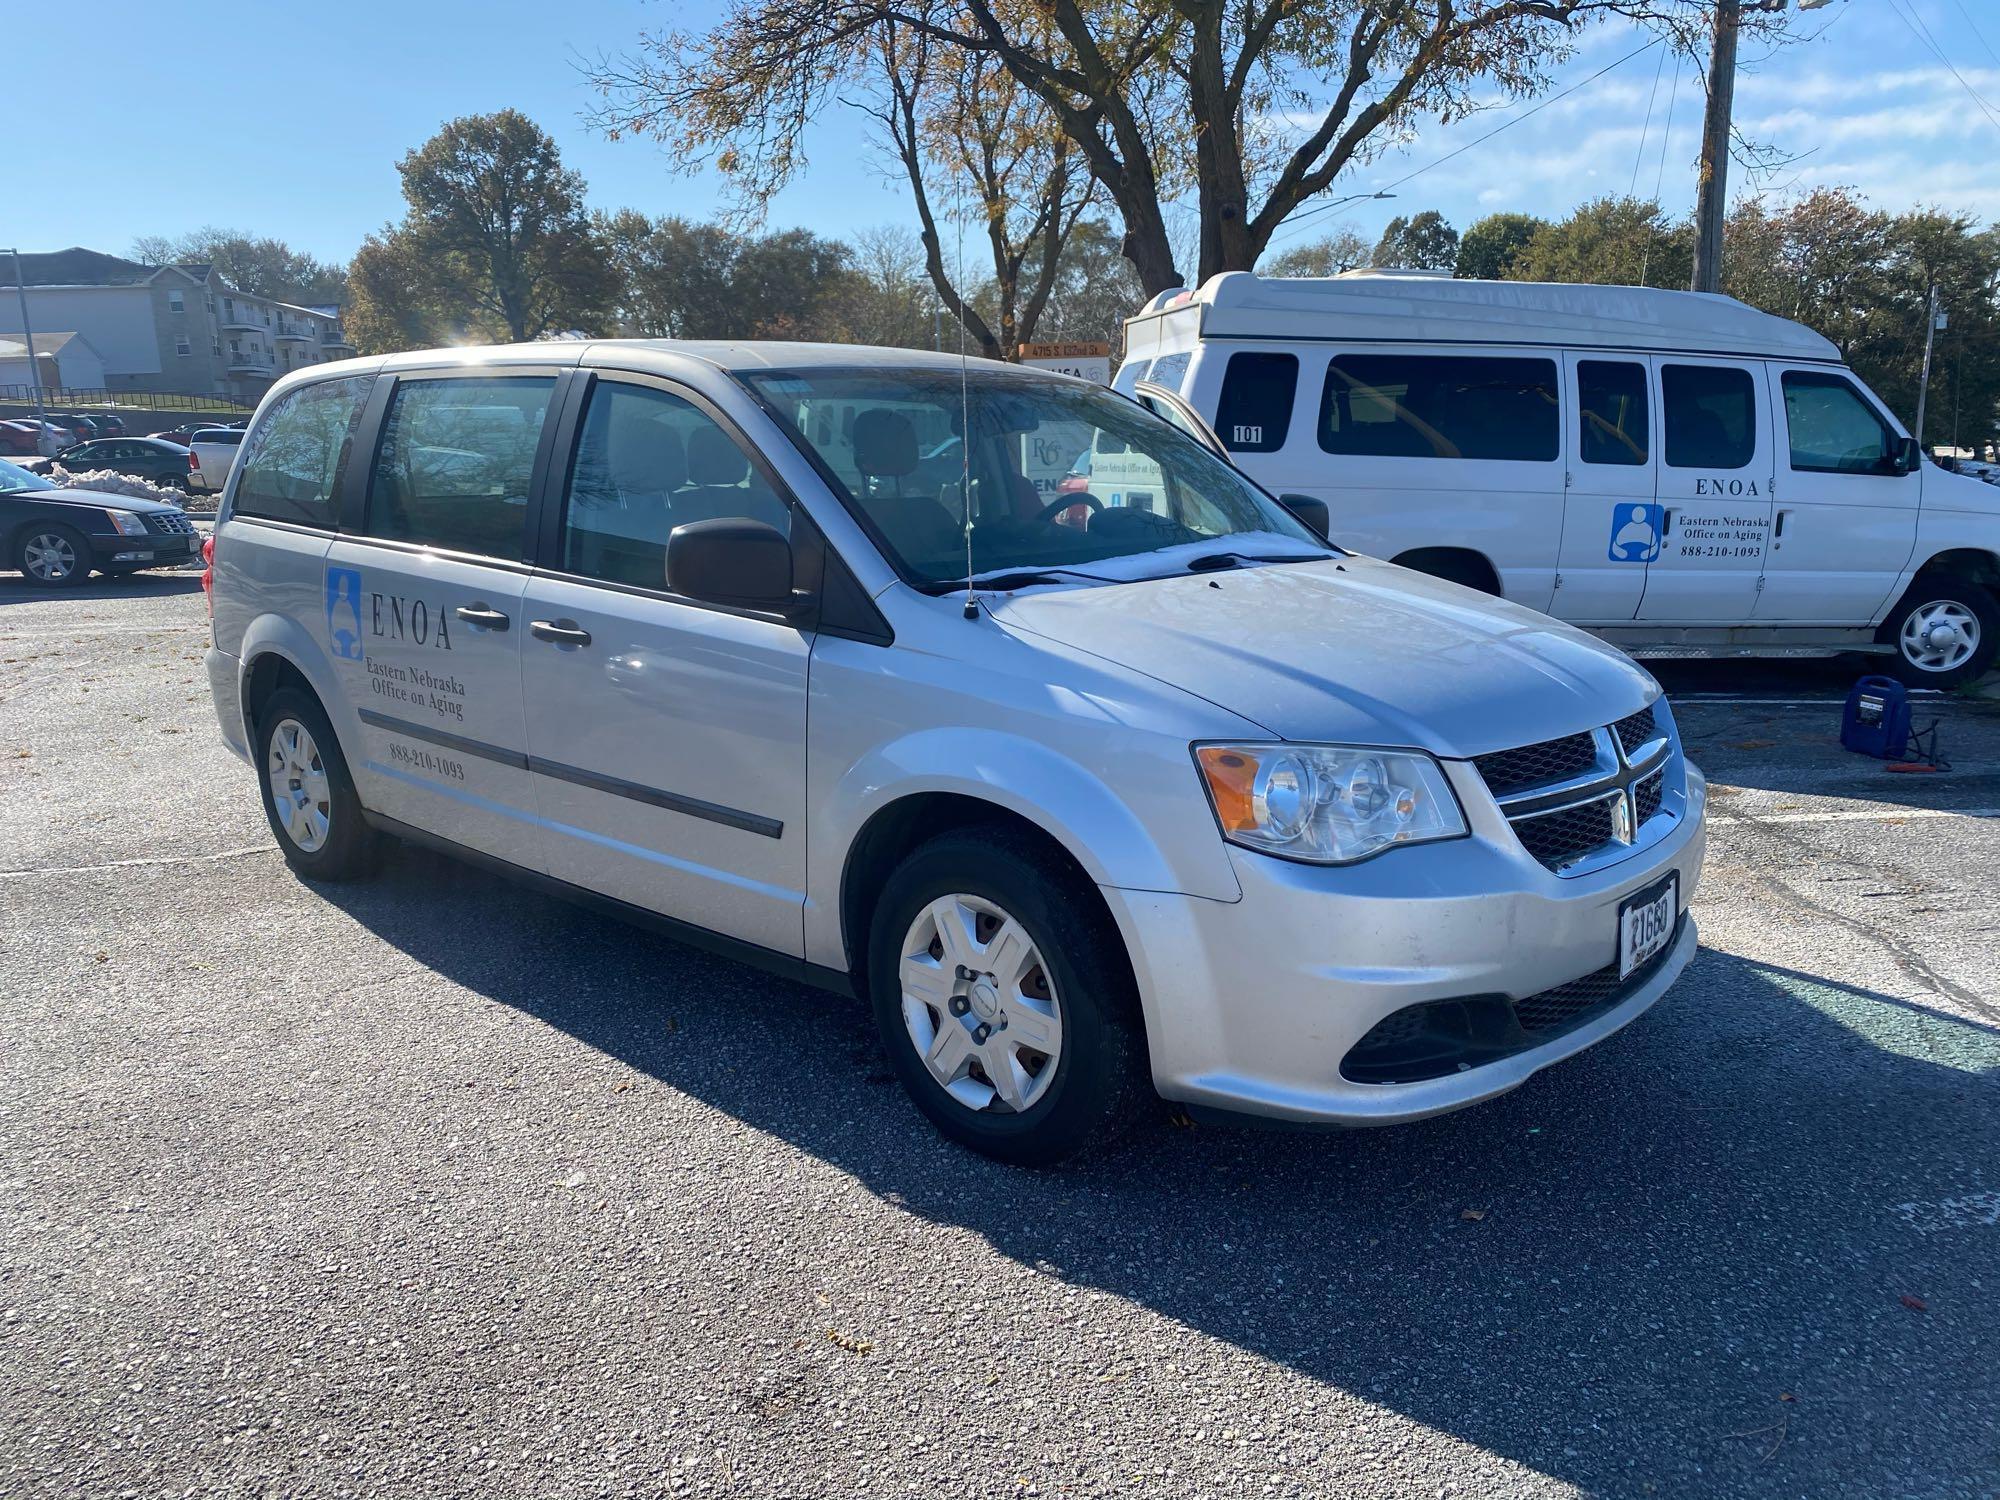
<point>110,482</point>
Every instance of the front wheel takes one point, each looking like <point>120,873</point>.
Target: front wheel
<point>1945,631</point>
<point>1004,998</point>
<point>53,555</point>
<point>309,799</point>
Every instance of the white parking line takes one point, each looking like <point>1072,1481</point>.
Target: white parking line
<point>1973,1211</point>
<point>128,864</point>
<point>1859,815</point>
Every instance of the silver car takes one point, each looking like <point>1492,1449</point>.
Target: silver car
<point>1091,797</point>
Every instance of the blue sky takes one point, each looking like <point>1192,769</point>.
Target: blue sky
<point>287,119</point>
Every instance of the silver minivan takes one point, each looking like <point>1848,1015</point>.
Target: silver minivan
<point>779,648</point>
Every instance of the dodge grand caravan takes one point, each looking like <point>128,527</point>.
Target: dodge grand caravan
<point>1088,802</point>
<point>1675,472</point>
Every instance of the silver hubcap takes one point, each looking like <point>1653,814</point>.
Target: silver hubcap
<point>980,1005</point>
<point>299,787</point>
<point>1940,636</point>
<point>49,557</point>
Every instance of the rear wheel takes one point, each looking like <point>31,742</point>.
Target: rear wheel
<point>309,798</point>
<point>1004,999</point>
<point>53,555</point>
<point>1945,631</point>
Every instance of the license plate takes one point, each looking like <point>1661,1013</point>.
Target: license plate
<point>1646,924</point>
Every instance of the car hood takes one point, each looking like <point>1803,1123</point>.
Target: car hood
<point>1354,651</point>
<point>96,499</point>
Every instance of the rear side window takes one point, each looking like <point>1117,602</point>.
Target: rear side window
<point>455,463</point>
<point>1440,406</point>
<point>1833,429</point>
<point>288,470</point>
<point>646,462</point>
<point>1255,409</point>
<point>1130,374</point>
<point>1170,370</point>
<point>1611,402</point>
<point>1711,416</point>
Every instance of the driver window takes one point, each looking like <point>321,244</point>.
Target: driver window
<point>1834,431</point>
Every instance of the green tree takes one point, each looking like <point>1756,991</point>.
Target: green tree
<point>499,230</point>
<point>1423,242</point>
<point>681,279</point>
<point>1487,250</point>
<point>1612,241</point>
<point>393,303</point>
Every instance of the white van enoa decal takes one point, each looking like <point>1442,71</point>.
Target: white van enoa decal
<point>1635,532</point>
<point>441,693</point>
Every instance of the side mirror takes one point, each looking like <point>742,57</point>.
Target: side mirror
<point>1908,456</point>
<point>732,561</point>
<point>1311,510</point>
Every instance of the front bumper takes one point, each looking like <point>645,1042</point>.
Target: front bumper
<point>1252,1005</point>
<point>149,551</point>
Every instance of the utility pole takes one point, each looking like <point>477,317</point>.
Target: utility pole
<point>1932,319</point>
<point>28,338</point>
<point>1712,186</point>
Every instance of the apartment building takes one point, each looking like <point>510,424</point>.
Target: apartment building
<point>170,328</point>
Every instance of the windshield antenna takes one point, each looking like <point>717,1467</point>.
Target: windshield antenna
<point>964,412</point>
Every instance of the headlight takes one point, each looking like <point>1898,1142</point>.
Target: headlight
<point>1329,804</point>
<point>126,523</point>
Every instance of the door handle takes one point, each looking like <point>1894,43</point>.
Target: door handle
<point>482,615</point>
<point>562,632</point>
<point>1778,529</point>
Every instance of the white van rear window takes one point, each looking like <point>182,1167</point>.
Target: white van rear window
<point>1254,412</point>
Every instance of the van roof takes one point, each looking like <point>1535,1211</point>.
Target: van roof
<point>1401,307</point>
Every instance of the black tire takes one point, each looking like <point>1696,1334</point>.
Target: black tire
<point>1954,592</point>
<point>351,848</point>
<point>1102,1079</point>
<point>33,546</point>
<point>1463,568</point>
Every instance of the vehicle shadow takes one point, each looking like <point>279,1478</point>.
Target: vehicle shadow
<point>14,589</point>
<point>1677,1260</point>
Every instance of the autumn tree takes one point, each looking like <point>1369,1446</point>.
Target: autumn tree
<point>257,264</point>
<point>968,138</point>
<point>1159,98</point>
<point>1328,255</point>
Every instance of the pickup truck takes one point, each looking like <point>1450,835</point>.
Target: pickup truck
<point>211,451</point>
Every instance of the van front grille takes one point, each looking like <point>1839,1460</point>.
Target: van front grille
<point>1572,799</point>
<point>1508,771</point>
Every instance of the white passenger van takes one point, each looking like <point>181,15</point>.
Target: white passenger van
<point>1677,473</point>
<point>1094,802</point>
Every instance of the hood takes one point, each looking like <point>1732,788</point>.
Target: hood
<point>1944,490</point>
<point>1353,651</point>
<point>97,499</point>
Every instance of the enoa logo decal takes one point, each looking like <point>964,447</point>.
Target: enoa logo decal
<point>343,613</point>
<point>392,617</point>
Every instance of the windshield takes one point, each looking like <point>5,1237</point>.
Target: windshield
<point>1057,476</point>
<point>13,477</point>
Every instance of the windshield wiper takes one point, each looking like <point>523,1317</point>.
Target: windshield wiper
<point>1211,562</point>
<point>1007,580</point>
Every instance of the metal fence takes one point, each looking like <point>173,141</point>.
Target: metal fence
<point>63,398</point>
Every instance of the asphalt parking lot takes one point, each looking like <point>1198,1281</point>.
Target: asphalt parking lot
<point>433,1186</point>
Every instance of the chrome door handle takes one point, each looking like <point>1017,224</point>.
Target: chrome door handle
<point>562,632</point>
<point>483,616</point>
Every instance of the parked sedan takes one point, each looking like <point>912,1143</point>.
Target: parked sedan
<point>56,537</point>
<point>152,459</point>
<point>19,437</point>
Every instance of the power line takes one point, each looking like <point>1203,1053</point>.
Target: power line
<point>1974,27</point>
<point>1923,35</point>
<point>1639,155</point>
<point>1480,141</point>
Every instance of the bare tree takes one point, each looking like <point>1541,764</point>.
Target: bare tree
<point>1269,101</point>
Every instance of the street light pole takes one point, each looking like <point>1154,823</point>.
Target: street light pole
<point>28,337</point>
<point>1931,321</point>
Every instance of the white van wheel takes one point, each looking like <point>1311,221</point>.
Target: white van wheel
<point>1946,631</point>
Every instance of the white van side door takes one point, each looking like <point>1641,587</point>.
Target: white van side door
<point>1846,518</point>
<point>1704,539</point>
<point>1611,468</point>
